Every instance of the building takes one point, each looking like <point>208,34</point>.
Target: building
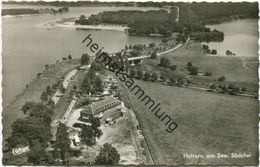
<point>98,109</point>
<point>75,139</point>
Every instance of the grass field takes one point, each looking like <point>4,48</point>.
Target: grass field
<point>241,71</point>
<point>33,92</point>
<point>208,123</point>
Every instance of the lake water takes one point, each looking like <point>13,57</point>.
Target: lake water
<point>28,45</point>
<point>241,37</point>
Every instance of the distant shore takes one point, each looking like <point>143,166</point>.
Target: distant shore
<point>96,27</point>
<point>20,15</point>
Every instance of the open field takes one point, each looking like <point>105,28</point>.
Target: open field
<point>240,71</point>
<point>231,67</point>
<point>208,123</point>
<point>34,91</point>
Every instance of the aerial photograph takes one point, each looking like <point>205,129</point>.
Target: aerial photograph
<point>129,83</point>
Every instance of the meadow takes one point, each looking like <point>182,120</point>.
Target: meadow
<point>208,123</point>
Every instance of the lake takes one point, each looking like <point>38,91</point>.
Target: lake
<point>241,37</point>
<point>28,45</point>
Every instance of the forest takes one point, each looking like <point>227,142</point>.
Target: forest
<point>192,18</point>
<point>140,22</point>
<point>19,11</point>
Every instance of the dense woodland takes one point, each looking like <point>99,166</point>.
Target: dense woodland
<point>19,11</point>
<point>193,16</point>
<point>140,22</point>
<point>192,20</point>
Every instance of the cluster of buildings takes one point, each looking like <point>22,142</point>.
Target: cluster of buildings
<point>106,106</point>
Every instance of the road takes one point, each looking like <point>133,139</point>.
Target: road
<point>178,14</point>
<point>69,109</point>
<point>58,94</point>
<point>161,53</point>
<point>212,90</point>
<point>148,154</point>
<point>145,141</point>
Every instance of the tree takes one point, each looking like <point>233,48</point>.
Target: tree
<point>214,51</point>
<point>153,55</point>
<point>48,90</point>
<point>38,110</point>
<point>55,85</point>
<point>193,70</point>
<point>228,52</point>
<point>208,74</point>
<point>44,97</point>
<point>87,135</point>
<point>154,76</point>
<point>172,79</point>
<point>82,18</point>
<point>243,89</point>
<point>62,88</point>
<point>38,155</point>
<point>98,85</point>
<point>85,59</point>
<point>205,47</point>
<point>39,74</point>
<point>165,62</point>
<point>91,74</point>
<point>69,57</point>
<point>140,74</point>
<point>162,77</point>
<point>189,65</point>
<point>29,129</point>
<point>173,67</point>
<point>51,104</point>
<point>95,124</point>
<point>147,76</point>
<point>132,73</point>
<point>27,106</point>
<point>221,79</point>
<point>108,155</point>
<point>231,86</point>
<point>224,88</point>
<point>151,45</point>
<point>212,86</point>
<point>86,85</point>
<point>180,81</point>
<point>62,143</point>
<point>138,47</point>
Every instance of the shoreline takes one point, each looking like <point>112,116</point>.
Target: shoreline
<point>19,15</point>
<point>111,27</point>
<point>12,110</point>
<point>228,19</point>
<point>93,27</point>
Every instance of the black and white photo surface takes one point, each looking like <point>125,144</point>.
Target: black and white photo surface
<point>130,83</point>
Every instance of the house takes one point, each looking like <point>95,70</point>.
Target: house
<point>97,109</point>
<point>75,140</point>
